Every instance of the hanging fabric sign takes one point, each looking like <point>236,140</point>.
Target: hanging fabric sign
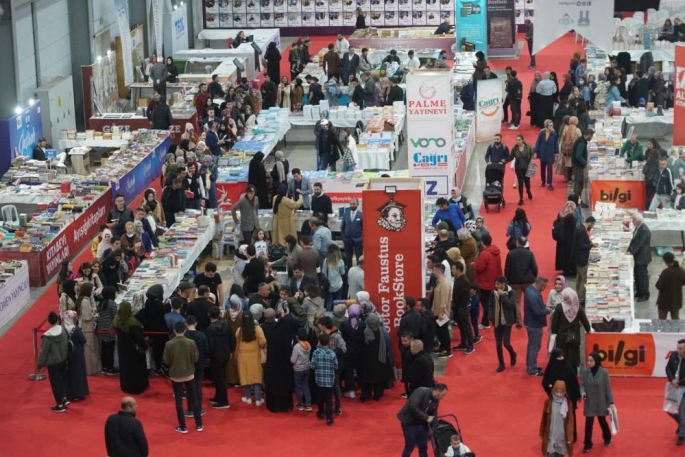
<point>126,44</point>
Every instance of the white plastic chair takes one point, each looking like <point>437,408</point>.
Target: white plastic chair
<point>208,69</point>
<point>661,16</point>
<point>10,216</point>
<point>640,16</point>
<point>651,13</point>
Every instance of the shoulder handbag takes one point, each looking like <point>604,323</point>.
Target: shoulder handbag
<point>573,336</point>
<point>511,241</point>
<point>324,283</point>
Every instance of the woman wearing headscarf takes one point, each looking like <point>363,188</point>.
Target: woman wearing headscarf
<point>601,91</point>
<point>131,347</point>
<point>77,381</point>
<point>171,70</point>
<point>352,331</point>
<point>152,319</point>
<point>87,318</point>
<point>566,89</point>
<point>107,310</point>
<point>557,425</point>
<point>257,177</point>
<point>555,296</point>
<point>534,99</point>
<point>235,320</point>
<point>150,200</point>
<point>454,254</point>
<point>566,321</point>
<point>569,137</point>
<point>278,378</point>
<point>250,342</point>
<point>279,173</point>
<point>104,244</point>
<point>596,392</point>
<point>67,301</point>
<point>479,66</point>
<point>562,232</point>
<point>283,223</point>
<point>375,368</point>
<point>468,248</point>
<point>272,56</point>
<point>190,135</point>
<point>296,94</point>
<point>209,173</point>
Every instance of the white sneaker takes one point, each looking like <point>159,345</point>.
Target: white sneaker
<point>259,402</point>
<point>514,185</point>
<point>247,400</point>
<point>350,394</point>
<point>513,127</point>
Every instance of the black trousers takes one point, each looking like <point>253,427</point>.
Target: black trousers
<point>530,51</point>
<point>325,397</point>
<point>485,303</point>
<point>189,387</point>
<point>107,355</point>
<point>516,112</point>
<point>505,108</point>
<point>157,343</point>
<point>58,381</point>
<point>247,236</point>
<point>463,318</point>
<point>375,390</point>
<point>503,338</point>
<point>218,368</point>
<point>197,383</point>
<point>443,334</point>
<point>522,180</point>
<point>590,422</point>
<point>641,280</point>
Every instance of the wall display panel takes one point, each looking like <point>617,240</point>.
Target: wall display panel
<point>321,19</point>
<point>280,6</point>
<point>391,18</point>
<point>266,6</point>
<point>267,20</point>
<point>281,19</point>
<point>404,18</point>
<point>349,18</point>
<point>391,5</point>
<point>308,19</point>
<point>308,6</point>
<point>335,5</point>
<point>226,20</point>
<point>335,18</point>
<point>433,17</point>
<point>349,5</point>
<point>419,18</point>
<point>377,18</point>
<point>225,6</point>
<point>239,6</point>
<point>294,19</point>
<point>239,20</point>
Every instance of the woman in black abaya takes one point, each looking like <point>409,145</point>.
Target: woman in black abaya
<point>273,62</point>
<point>278,377</point>
<point>131,345</point>
<point>559,369</point>
<point>533,99</point>
<point>257,176</point>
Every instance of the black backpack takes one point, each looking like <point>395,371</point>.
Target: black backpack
<point>558,230</point>
<point>276,251</point>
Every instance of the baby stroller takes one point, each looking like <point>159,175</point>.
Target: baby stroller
<point>494,192</point>
<point>441,432</point>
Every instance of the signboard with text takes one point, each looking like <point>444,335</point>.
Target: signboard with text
<point>14,295</point>
<point>633,354</point>
<point>626,194</point>
<point>139,178</point>
<point>20,134</point>
<point>679,95</point>
<point>489,103</point>
<point>471,23</point>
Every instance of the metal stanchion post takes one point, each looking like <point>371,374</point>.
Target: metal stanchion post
<point>35,376</point>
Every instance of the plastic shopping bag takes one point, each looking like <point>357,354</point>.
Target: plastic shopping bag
<point>613,417</point>
<point>552,342</point>
<point>672,398</point>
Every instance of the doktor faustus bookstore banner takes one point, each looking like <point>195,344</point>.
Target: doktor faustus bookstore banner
<point>592,19</point>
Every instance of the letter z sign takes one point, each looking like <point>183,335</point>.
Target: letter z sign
<point>436,186</point>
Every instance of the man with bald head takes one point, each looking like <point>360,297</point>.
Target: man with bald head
<point>124,434</point>
<point>632,150</point>
<point>351,231</point>
<point>420,373</point>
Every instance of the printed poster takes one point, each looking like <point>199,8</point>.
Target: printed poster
<point>280,19</point>
<point>349,18</point>
<point>377,18</point>
<point>267,6</point>
<point>239,20</point>
<point>679,96</point>
<point>391,5</point>
<point>280,6</point>
<point>225,6</point>
<point>308,19</point>
<point>239,6</point>
<point>226,20</point>
<point>349,5</point>
<point>418,18</point>
<point>267,20</point>
<point>335,5</point>
<point>447,5</point>
<point>489,102</point>
<point>294,20</point>
<point>253,6</point>
<point>211,6</point>
<point>335,18</point>
<point>405,18</point>
<point>432,5</point>
<point>212,20</point>
<point>253,20</point>
<point>433,17</point>
<point>321,19</point>
<point>377,5</point>
<point>391,18</point>
<point>404,5</point>
<point>308,7</point>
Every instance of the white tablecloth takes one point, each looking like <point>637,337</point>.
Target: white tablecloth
<point>68,144</point>
<point>266,221</point>
<point>649,127</point>
<point>677,225</point>
<point>378,159</point>
<point>8,197</point>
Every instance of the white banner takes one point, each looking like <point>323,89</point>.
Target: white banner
<point>591,19</point>
<point>157,23</point>
<point>126,44</point>
<point>429,130</point>
<point>14,295</point>
<point>489,102</point>
<point>664,345</point>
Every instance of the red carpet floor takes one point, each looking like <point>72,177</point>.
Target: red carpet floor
<point>499,413</point>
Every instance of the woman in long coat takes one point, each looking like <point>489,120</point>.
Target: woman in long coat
<point>352,331</point>
<point>596,391</point>
<point>131,346</point>
<point>235,320</point>
<point>77,381</point>
<point>375,364</point>
<point>566,223</point>
<point>250,342</point>
<point>278,379</point>
<point>87,320</point>
<point>567,318</point>
<point>534,99</point>
<point>569,136</point>
<point>557,426</point>
<point>257,176</point>
<point>468,248</point>
<point>107,310</point>
<point>283,221</point>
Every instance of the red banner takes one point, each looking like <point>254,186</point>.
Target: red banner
<point>679,96</point>
<point>45,264</point>
<point>625,354</point>
<point>393,249</point>
<point>228,193</point>
<point>626,194</point>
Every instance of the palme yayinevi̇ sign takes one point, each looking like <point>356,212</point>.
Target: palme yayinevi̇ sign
<point>489,102</point>
<point>429,129</point>
<point>591,19</point>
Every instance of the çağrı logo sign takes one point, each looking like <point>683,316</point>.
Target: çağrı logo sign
<point>428,156</point>
<point>489,107</point>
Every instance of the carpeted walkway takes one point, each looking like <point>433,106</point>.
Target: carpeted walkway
<point>499,413</point>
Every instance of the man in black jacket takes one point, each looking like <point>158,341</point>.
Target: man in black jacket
<point>200,308</point>
<point>299,281</point>
<point>562,111</point>
<point>427,334</point>
<point>515,94</point>
<point>221,343</point>
<point>357,93</point>
<point>124,434</point>
<point>411,319</point>
<point>502,314</point>
<point>161,116</point>
<point>641,248</point>
<point>173,201</point>
<point>329,146</point>
<point>406,339</point>
<point>369,90</point>
<point>421,368</point>
<point>215,89</point>
<point>253,272</point>
<point>396,94</point>
<point>663,182</point>
<point>119,216</point>
<point>580,254</point>
<point>579,162</point>
<point>521,269</point>
<point>675,372</point>
<point>461,306</point>
<point>269,92</point>
<point>416,416</point>
<point>321,203</point>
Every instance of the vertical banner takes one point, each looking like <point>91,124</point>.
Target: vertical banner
<point>15,294</point>
<point>471,24</point>
<point>429,130</point>
<point>679,96</point>
<point>126,42</point>
<point>393,247</point>
<point>489,102</point>
<point>501,17</point>
<point>19,135</point>
<point>157,23</point>
<point>591,19</point>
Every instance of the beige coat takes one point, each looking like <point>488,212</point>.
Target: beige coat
<point>283,222</point>
<point>87,323</point>
<point>250,358</point>
<point>232,377</point>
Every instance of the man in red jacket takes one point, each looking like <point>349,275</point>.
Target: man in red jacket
<point>488,266</point>
<point>201,101</point>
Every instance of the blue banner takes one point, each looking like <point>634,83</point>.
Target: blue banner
<point>19,135</point>
<point>139,178</point>
<point>471,24</point>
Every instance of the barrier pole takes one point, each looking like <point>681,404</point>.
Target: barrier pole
<point>35,376</point>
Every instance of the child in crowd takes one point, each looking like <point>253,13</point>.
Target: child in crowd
<point>301,364</point>
<point>261,244</point>
<point>285,301</point>
<point>457,448</point>
<point>324,363</point>
<point>474,293</point>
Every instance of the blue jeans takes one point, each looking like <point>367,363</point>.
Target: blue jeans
<point>546,170</point>
<point>347,167</point>
<point>330,297</point>
<point>256,388</point>
<point>660,200</point>
<point>304,395</point>
<point>326,161</point>
<point>534,342</point>
<point>415,435</point>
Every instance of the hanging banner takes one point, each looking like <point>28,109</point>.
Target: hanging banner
<point>393,247</point>
<point>157,23</point>
<point>126,43</point>
<point>501,17</point>
<point>471,26</point>
<point>429,130</point>
<point>679,96</point>
<point>489,102</point>
<point>590,19</point>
